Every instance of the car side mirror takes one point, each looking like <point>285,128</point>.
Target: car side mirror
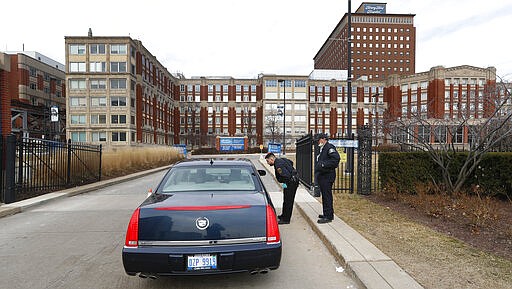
<point>262,172</point>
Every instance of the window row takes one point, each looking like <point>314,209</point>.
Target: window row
<point>285,83</point>
<point>81,101</point>
<point>99,119</point>
<point>100,66</point>
<point>97,83</point>
<point>80,49</point>
<point>81,136</point>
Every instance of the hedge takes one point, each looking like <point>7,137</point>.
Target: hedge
<point>405,170</point>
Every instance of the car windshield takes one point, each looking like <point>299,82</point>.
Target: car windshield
<point>183,179</point>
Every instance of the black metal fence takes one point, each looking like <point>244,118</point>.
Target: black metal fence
<point>32,167</point>
<point>304,160</point>
<point>365,164</point>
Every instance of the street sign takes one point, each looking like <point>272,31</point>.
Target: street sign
<point>274,148</point>
<point>346,143</point>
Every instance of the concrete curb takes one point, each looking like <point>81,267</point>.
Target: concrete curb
<point>18,207</point>
<point>369,266</point>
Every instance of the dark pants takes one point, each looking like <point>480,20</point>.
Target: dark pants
<point>326,189</point>
<point>288,199</point>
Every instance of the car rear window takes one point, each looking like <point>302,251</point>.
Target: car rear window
<point>183,179</point>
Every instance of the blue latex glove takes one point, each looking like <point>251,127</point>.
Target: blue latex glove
<point>284,186</point>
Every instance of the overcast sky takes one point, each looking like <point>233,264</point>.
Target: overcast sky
<point>244,38</point>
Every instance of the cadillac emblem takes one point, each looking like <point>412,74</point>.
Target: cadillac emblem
<point>202,223</point>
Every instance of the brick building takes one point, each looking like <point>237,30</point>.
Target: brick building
<point>382,44</point>
<point>30,85</point>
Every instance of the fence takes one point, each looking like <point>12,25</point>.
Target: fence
<point>32,167</point>
<point>365,172</point>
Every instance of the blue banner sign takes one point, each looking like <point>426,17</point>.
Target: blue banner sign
<point>181,148</point>
<point>274,148</point>
<point>345,143</point>
<point>232,143</point>
<point>374,8</point>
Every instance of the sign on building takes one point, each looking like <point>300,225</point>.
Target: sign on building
<point>54,113</point>
<point>232,143</point>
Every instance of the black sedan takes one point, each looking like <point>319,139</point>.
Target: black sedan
<point>205,217</point>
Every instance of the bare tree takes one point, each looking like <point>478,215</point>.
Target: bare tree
<point>273,126</point>
<point>441,138</point>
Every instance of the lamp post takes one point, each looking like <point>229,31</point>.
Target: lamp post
<point>350,165</point>
<point>284,114</point>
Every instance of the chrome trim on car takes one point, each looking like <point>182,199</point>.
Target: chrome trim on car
<point>204,242</point>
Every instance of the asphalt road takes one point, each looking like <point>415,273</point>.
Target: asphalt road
<point>76,242</point>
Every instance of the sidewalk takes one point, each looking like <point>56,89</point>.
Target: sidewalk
<point>365,262</point>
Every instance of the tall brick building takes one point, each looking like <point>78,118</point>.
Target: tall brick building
<point>382,44</point>
<point>30,84</point>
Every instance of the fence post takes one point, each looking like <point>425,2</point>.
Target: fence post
<point>10,160</point>
<point>99,173</point>
<point>68,178</point>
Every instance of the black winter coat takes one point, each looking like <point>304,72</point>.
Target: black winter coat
<point>327,162</point>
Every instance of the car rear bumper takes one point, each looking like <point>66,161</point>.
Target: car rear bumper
<point>173,260</point>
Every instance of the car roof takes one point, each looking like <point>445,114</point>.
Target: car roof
<point>222,161</point>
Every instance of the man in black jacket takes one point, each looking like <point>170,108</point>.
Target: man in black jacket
<point>287,175</point>
<point>327,161</point>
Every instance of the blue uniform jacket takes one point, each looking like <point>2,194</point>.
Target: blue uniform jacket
<point>327,162</point>
<point>284,170</point>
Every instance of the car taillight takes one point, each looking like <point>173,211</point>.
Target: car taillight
<point>132,233</point>
<point>272,226</point>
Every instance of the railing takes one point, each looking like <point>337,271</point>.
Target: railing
<point>32,167</point>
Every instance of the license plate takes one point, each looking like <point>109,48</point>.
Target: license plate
<point>201,262</point>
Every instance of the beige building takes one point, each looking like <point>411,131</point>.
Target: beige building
<point>118,92</point>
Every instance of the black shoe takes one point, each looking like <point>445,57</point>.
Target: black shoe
<point>283,222</point>
<point>279,217</point>
<point>324,220</point>
<point>320,216</point>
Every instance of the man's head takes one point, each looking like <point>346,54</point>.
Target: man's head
<point>321,138</point>
<point>270,158</point>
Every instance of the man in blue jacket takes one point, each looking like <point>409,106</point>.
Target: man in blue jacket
<point>287,175</point>
<point>327,161</point>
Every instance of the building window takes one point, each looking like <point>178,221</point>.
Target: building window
<point>99,101</point>
<point>98,84</point>
<point>99,136</point>
<point>117,48</point>
<point>118,101</point>
<point>97,48</point>
<point>97,67</point>
<point>77,119</point>
<point>98,119</point>
<point>118,136</point>
<point>77,67</point>
<point>77,84</point>
<point>118,67</point>
<point>77,49</point>
<point>118,119</point>
<point>271,83</point>
<point>77,101</point>
<point>78,136</point>
<point>118,83</point>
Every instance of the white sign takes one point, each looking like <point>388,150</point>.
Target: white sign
<point>346,143</point>
<point>54,113</point>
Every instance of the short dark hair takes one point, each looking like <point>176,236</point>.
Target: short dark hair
<point>320,136</point>
<point>269,155</point>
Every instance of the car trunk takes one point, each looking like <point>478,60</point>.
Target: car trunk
<point>202,216</point>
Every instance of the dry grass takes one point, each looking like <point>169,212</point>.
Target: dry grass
<point>433,259</point>
<point>122,161</point>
